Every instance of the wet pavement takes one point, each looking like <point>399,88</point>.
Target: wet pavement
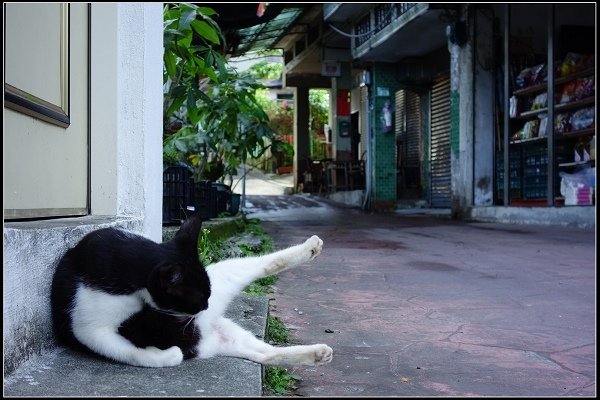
<point>420,305</point>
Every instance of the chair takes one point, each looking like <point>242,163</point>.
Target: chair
<point>356,175</point>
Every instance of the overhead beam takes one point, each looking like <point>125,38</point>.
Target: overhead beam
<point>316,81</point>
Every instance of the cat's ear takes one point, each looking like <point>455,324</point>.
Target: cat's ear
<point>188,234</point>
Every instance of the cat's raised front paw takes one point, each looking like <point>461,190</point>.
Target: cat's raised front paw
<point>315,244</point>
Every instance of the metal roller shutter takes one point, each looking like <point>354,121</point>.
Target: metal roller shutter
<point>441,191</point>
<point>408,133</point>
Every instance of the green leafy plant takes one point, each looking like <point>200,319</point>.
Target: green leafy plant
<point>283,152</point>
<point>208,249</point>
<point>279,380</point>
<point>213,122</point>
<point>234,124</point>
<point>277,332</point>
<point>261,286</point>
<point>191,60</point>
<point>266,70</point>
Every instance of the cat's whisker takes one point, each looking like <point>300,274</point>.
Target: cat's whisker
<point>193,326</point>
<point>175,313</point>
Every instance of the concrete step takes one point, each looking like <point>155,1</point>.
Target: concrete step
<point>65,373</point>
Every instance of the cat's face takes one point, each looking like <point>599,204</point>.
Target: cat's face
<point>180,288</point>
<point>181,283</point>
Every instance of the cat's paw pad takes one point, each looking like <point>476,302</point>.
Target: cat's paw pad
<point>315,244</point>
<point>323,354</point>
<point>164,358</point>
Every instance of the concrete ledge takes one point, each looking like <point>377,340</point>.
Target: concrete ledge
<point>31,251</point>
<point>568,216</point>
<point>65,373</point>
<point>352,198</point>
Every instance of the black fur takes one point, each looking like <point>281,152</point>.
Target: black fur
<point>122,263</point>
<point>152,328</point>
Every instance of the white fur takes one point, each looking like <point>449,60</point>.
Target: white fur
<point>221,336</point>
<point>97,317</point>
<point>96,320</point>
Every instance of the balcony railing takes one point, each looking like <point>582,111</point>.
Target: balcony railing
<point>378,18</point>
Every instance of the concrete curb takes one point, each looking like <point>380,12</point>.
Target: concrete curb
<point>66,373</point>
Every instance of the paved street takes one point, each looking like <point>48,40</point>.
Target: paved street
<point>418,305</point>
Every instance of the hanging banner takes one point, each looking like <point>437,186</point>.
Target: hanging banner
<point>331,68</point>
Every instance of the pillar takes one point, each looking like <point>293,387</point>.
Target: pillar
<point>301,132</point>
<point>383,172</point>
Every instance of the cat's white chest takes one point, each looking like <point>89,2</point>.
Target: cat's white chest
<point>97,308</point>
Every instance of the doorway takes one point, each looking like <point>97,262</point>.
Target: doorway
<point>409,139</point>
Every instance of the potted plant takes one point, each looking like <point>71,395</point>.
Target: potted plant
<point>213,121</point>
<point>283,152</point>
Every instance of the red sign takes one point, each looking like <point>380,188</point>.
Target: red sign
<point>343,102</point>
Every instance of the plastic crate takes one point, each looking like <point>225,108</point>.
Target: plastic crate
<point>235,203</point>
<point>223,199</point>
<point>178,194</point>
<point>535,172</point>
<point>205,199</point>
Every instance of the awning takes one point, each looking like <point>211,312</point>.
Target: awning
<point>253,27</point>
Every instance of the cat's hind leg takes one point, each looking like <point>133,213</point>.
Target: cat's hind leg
<point>226,338</point>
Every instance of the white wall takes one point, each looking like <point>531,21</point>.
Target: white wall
<point>126,146</point>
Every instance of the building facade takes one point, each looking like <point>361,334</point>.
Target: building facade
<point>427,86</point>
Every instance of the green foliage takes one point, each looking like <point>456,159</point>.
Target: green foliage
<point>281,116</point>
<point>190,35</point>
<point>254,227</point>
<point>261,286</point>
<point>212,242</point>
<point>279,381</point>
<point>318,100</point>
<point>283,152</point>
<point>277,332</point>
<point>212,119</point>
<point>235,126</point>
<point>208,249</point>
<point>265,70</point>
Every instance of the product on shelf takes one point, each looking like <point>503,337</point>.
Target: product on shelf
<point>562,123</point>
<point>538,74</point>
<point>568,93</point>
<point>529,130</point>
<point>523,78</point>
<point>531,76</point>
<point>584,88</point>
<point>515,108</point>
<point>543,128</point>
<point>582,149</point>
<point>577,188</point>
<point>574,62</point>
<point>583,118</point>
<point>573,127</point>
<point>540,101</point>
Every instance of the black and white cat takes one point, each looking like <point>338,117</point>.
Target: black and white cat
<point>132,300</point>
